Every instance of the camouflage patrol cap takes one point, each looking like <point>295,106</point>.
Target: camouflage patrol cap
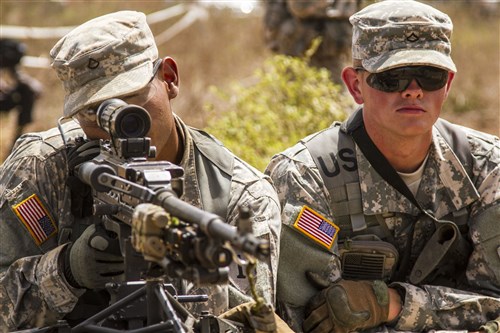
<point>108,56</point>
<point>396,33</point>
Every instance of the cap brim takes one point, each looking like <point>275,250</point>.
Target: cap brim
<point>406,57</point>
<point>101,89</point>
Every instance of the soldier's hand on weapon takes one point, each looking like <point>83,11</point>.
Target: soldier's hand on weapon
<point>346,306</point>
<point>90,263</point>
<point>81,194</point>
<point>261,318</point>
<point>81,152</point>
<point>493,326</point>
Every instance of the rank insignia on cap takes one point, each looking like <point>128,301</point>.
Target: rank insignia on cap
<point>315,226</point>
<point>35,218</point>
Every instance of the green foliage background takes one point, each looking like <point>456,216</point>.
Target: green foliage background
<point>286,101</point>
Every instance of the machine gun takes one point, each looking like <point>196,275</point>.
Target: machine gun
<point>157,233</point>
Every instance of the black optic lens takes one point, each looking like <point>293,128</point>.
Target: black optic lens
<point>428,78</point>
<point>132,126</point>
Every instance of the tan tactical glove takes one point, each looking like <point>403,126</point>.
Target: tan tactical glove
<point>347,306</point>
<point>261,320</point>
<point>492,326</point>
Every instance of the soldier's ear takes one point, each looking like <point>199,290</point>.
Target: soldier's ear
<point>352,80</point>
<point>170,75</point>
<point>451,76</point>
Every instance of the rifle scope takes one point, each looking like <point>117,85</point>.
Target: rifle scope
<point>122,120</point>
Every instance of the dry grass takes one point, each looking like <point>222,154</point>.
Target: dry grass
<point>227,48</point>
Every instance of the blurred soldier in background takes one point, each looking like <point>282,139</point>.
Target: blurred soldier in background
<point>291,26</point>
<point>17,89</point>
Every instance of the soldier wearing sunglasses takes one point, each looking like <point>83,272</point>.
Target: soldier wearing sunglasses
<point>391,219</point>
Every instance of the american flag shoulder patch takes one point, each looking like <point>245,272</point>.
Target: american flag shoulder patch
<point>316,227</point>
<point>35,218</point>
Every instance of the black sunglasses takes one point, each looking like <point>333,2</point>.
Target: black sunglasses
<point>398,79</point>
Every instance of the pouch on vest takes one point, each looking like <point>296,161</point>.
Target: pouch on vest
<point>367,257</point>
<point>445,254</point>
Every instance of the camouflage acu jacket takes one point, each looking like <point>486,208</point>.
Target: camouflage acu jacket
<point>33,290</point>
<point>445,188</point>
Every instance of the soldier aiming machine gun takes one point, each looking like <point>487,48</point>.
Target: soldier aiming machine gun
<point>158,234</point>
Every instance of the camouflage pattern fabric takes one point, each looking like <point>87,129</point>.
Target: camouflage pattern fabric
<point>106,57</point>
<point>33,290</point>
<point>396,33</point>
<point>291,26</point>
<point>445,188</point>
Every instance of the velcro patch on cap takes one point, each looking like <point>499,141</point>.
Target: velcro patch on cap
<point>35,218</point>
<point>316,227</point>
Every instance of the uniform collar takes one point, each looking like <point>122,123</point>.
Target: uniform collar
<point>192,194</point>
